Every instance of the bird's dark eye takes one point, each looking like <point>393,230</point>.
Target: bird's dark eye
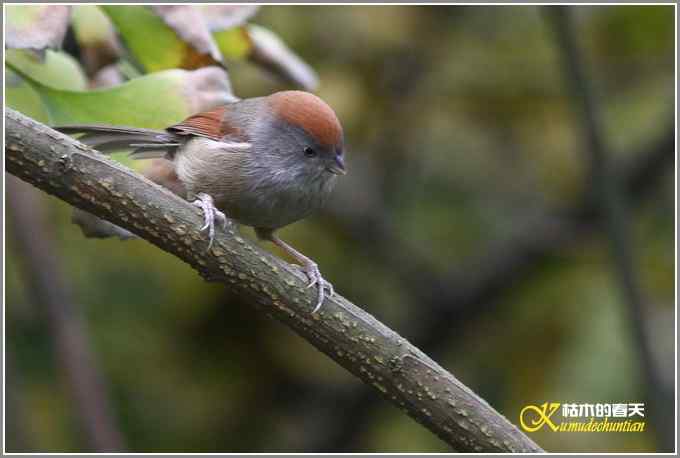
<point>310,152</point>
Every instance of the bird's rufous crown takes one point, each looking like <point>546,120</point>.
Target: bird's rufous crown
<point>310,113</point>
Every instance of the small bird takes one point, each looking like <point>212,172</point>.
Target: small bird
<point>265,162</point>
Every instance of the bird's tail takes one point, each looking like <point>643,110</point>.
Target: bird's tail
<point>144,143</point>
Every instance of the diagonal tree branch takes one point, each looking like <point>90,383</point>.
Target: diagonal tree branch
<point>400,372</point>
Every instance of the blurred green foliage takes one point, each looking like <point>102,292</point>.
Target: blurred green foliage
<point>459,130</point>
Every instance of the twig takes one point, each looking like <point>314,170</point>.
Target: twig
<point>609,196</point>
<point>48,290</point>
<point>377,355</point>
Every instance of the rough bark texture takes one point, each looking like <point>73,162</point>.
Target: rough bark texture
<point>380,357</point>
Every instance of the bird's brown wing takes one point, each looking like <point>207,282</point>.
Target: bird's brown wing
<point>212,124</point>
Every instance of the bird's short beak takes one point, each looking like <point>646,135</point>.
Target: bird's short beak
<point>338,167</point>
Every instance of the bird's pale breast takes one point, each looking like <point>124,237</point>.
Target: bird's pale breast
<point>254,193</point>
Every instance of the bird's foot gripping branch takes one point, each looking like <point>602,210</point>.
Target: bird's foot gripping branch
<point>381,358</point>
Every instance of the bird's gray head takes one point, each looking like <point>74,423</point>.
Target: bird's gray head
<point>302,136</point>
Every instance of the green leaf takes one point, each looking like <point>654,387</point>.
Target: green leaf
<point>152,101</point>
<point>22,97</point>
<point>233,43</point>
<point>58,69</point>
<point>152,43</point>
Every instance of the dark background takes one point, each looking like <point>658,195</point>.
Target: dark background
<point>470,222</point>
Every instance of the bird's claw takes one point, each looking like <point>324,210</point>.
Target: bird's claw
<point>315,278</point>
<point>210,213</point>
